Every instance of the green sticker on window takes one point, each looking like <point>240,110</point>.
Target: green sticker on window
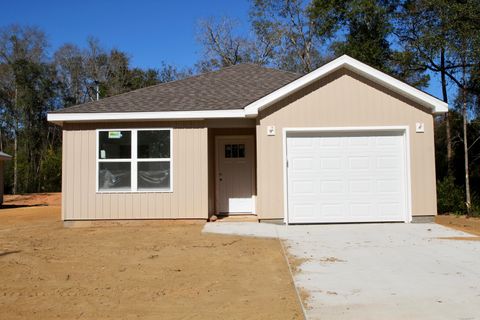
<point>114,134</point>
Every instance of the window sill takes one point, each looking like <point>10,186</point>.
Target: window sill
<point>132,192</point>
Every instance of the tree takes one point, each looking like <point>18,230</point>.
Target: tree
<point>139,78</point>
<point>294,40</point>
<point>364,29</point>
<point>19,47</point>
<point>169,73</point>
<point>465,49</point>
<point>117,75</point>
<point>365,25</point>
<point>222,47</point>
<point>424,31</point>
<point>35,97</point>
<point>71,74</point>
<point>79,72</point>
<point>96,68</point>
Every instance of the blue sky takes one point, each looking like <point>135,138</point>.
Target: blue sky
<point>149,31</point>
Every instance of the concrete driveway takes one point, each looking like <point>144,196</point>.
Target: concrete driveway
<point>379,271</point>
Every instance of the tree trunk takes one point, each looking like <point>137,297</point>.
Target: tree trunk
<point>465,150</point>
<point>15,162</point>
<point>15,148</point>
<point>447,118</point>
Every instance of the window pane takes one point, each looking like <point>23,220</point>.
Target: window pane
<point>228,151</point>
<point>114,144</point>
<point>153,175</point>
<point>153,144</point>
<point>241,151</point>
<point>114,176</point>
<point>234,150</point>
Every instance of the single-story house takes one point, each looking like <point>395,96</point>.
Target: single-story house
<point>3,157</point>
<point>344,143</point>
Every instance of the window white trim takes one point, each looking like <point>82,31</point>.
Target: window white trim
<point>405,130</point>
<point>134,161</point>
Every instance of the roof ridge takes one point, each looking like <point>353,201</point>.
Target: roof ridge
<point>269,68</point>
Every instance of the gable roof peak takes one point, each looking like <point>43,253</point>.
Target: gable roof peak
<point>345,61</point>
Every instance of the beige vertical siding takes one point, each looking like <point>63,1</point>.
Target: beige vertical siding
<point>343,99</point>
<point>189,199</point>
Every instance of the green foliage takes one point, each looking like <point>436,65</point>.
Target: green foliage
<point>450,197</point>
<point>51,170</point>
<point>365,30</point>
<point>475,208</point>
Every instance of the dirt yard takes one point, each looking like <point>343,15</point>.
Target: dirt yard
<point>33,199</point>
<point>462,223</point>
<point>149,271</point>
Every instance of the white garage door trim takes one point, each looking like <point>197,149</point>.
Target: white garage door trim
<point>402,129</point>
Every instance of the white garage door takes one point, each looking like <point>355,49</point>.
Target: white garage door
<point>346,177</point>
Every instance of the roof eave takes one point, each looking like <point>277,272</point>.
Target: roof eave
<point>4,156</point>
<point>59,118</point>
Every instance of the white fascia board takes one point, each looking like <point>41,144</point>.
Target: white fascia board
<point>130,116</point>
<point>4,156</point>
<point>356,66</point>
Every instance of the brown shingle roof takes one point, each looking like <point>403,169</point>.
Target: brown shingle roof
<point>226,89</point>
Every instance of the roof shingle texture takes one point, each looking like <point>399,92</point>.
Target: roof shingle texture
<point>226,89</point>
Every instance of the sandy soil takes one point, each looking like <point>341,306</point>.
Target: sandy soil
<point>462,223</point>
<point>169,271</point>
<point>33,199</point>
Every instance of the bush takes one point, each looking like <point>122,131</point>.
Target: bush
<point>475,209</point>
<point>450,197</point>
<point>51,171</point>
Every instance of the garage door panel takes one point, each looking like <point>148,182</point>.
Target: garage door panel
<point>358,141</point>
<point>332,210</point>
<point>389,186</point>
<point>389,208</point>
<point>357,162</point>
<point>302,164</point>
<point>305,211</point>
<point>329,141</point>
<point>388,141</point>
<point>388,163</point>
<point>332,163</point>
<point>361,210</point>
<point>349,177</point>
<point>332,186</point>
<point>303,188</point>
<point>360,186</point>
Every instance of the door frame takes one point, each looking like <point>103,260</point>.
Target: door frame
<point>254,157</point>
<point>402,129</point>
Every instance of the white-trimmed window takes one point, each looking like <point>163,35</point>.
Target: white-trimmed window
<point>134,160</point>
